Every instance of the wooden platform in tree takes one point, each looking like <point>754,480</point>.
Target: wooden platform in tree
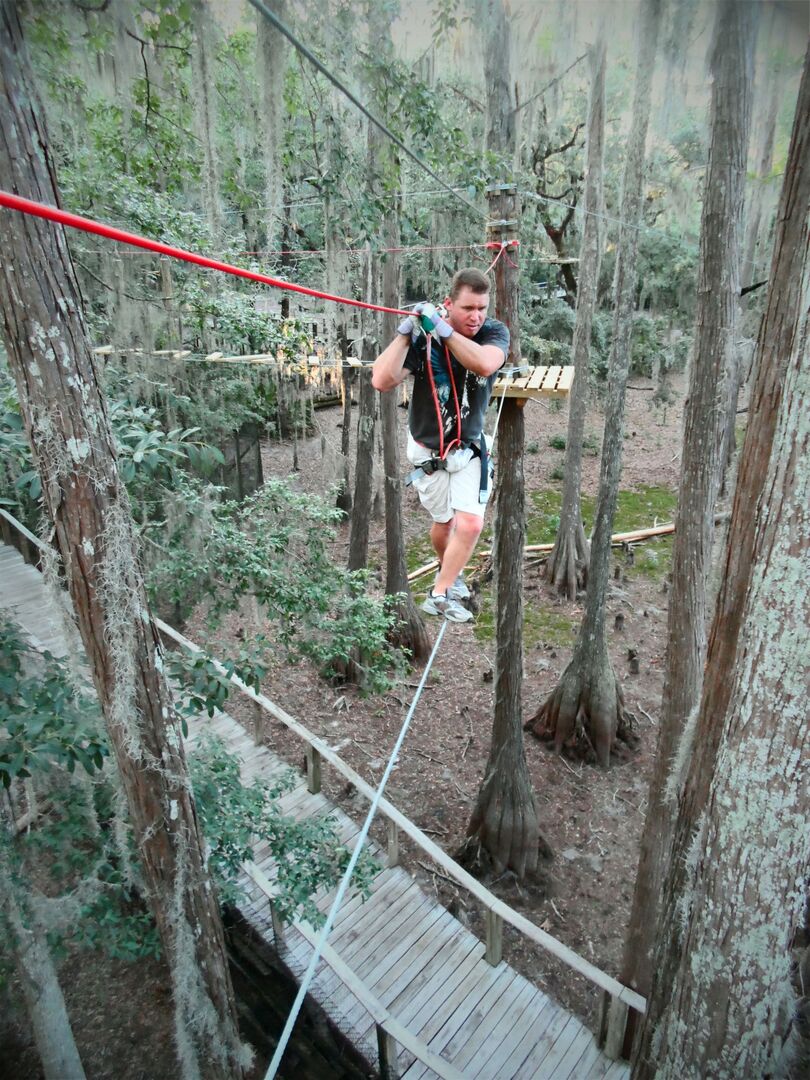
<point>399,958</point>
<point>538,382</point>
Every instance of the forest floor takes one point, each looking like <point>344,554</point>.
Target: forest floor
<point>592,819</point>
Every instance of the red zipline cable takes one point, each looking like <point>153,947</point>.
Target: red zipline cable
<point>53,213</point>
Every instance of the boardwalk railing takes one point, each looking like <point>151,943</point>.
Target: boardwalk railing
<point>617,999</point>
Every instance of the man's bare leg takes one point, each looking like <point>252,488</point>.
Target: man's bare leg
<point>454,542</point>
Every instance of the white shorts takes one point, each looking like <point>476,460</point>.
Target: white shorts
<point>449,490</point>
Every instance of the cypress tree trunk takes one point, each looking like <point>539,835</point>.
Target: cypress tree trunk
<point>347,381</point>
<point>364,468</point>
<point>36,972</point>
<point>409,632</point>
<point>504,827</point>
<point>205,113</point>
<point>272,59</point>
<point>586,709</point>
<point>718,290</point>
<point>567,566</point>
<point>720,1003</point>
<point>66,421</point>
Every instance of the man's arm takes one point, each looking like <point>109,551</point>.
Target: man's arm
<point>482,360</point>
<point>389,370</point>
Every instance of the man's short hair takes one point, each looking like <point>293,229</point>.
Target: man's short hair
<point>469,278</point>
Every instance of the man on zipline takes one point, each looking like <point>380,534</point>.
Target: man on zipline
<point>450,396</point>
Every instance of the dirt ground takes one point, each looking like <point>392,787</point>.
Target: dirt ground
<point>591,819</point>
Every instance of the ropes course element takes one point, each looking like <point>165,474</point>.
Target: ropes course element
<point>74,221</point>
<point>344,882</point>
<point>301,47</point>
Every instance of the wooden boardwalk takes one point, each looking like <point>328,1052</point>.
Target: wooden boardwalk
<point>413,957</point>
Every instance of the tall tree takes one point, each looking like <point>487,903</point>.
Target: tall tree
<point>272,57</point>
<point>204,96</point>
<point>409,631</point>
<point>27,942</point>
<point>587,706</point>
<point>567,566</point>
<point>364,468</point>
<point>720,1003</point>
<point>718,289</point>
<point>66,421</point>
<point>504,821</point>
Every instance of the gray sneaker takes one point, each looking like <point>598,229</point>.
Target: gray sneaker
<point>445,605</point>
<point>458,590</point>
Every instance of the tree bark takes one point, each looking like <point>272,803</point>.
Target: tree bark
<point>567,566</point>
<point>499,136</point>
<point>737,874</point>
<point>409,632</point>
<point>66,421</point>
<point>272,57</point>
<point>35,969</point>
<point>586,710</point>
<point>364,468</point>
<point>205,113</point>
<point>718,289</point>
<point>504,825</point>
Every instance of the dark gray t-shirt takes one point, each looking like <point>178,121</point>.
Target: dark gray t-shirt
<point>473,391</point>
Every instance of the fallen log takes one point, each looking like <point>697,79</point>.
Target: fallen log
<point>634,537</point>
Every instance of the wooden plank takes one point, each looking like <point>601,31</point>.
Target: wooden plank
<point>561,1061</point>
<point>618,1071</point>
<point>364,921</point>
<point>563,1027</point>
<point>538,1018</point>
<point>376,924</point>
<point>437,973</point>
<point>514,918</point>
<point>521,1022</point>
<point>380,1014</point>
<point>566,380</point>
<point>415,1005</point>
<point>391,983</point>
<point>447,1020</point>
<point>364,949</point>
<point>552,377</point>
<point>536,378</point>
<point>479,1030</point>
<point>378,962</point>
<point>581,1067</point>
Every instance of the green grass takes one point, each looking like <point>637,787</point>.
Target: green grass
<point>541,625</point>
<point>419,551</point>
<point>636,509</point>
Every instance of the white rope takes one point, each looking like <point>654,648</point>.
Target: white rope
<point>327,926</point>
<point>510,373</point>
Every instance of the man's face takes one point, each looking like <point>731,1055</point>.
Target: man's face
<point>467,312</point>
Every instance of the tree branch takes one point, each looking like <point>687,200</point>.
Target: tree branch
<point>548,86</point>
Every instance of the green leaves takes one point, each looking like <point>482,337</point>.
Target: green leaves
<point>307,854</point>
<point>44,723</point>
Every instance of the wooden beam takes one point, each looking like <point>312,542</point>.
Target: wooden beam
<point>494,953</point>
<point>313,770</point>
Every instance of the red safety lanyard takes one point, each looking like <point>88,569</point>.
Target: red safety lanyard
<point>443,450</point>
